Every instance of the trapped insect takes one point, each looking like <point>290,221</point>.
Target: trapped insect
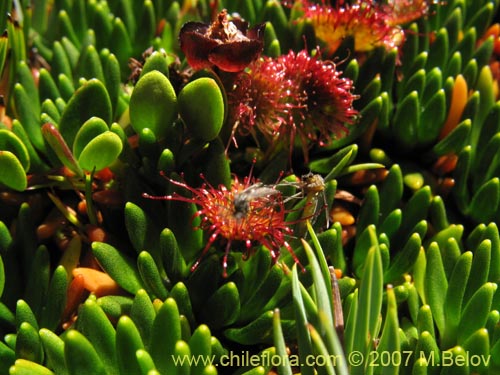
<point>257,191</point>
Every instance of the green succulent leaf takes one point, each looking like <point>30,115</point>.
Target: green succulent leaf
<point>153,104</point>
<point>164,336</point>
<point>475,312</point>
<point>143,314</point>
<point>120,267</point>
<point>223,307</point>
<point>9,141</point>
<point>455,297</point>
<point>389,340</point>
<point>151,275</point>
<point>90,129</point>
<point>128,342</point>
<point>89,65</point>
<point>485,202</point>
<point>201,106</point>
<point>96,327</point>
<point>54,306</point>
<point>12,173</point>
<point>25,367</point>
<point>90,100</point>
<point>53,347</point>
<point>436,285</point>
<point>81,357</point>
<point>200,345</point>
<point>156,61</point>
<point>257,331</point>
<point>100,152</point>
<point>28,344</point>
<point>478,346</point>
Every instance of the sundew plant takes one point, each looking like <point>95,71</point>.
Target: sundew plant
<point>249,187</point>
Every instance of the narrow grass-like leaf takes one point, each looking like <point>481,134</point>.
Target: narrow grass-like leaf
<point>279,342</point>
<point>369,305</point>
<point>326,367</point>
<point>303,335</point>
<point>322,295</point>
<point>389,341</point>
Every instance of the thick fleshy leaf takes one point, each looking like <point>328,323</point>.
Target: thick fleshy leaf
<point>96,327</point>
<point>436,285</point>
<point>223,307</point>
<point>81,356</point>
<point>100,152</point>
<point>475,313</point>
<point>24,367</point>
<point>12,173</point>
<point>201,107</point>
<point>151,275</point>
<point>10,142</point>
<point>54,351</point>
<point>120,267</point>
<point>88,101</point>
<point>157,61</point>
<point>153,104</point>
<point>128,342</point>
<point>485,202</point>
<point>407,119</point>
<point>164,335</point>
<point>90,129</point>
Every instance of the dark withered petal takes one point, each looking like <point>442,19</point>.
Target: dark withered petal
<point>257,32</point>
<point>235,56</point>
<point>195,44</point>
<point>240,24</point>
<point>203,47</point>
